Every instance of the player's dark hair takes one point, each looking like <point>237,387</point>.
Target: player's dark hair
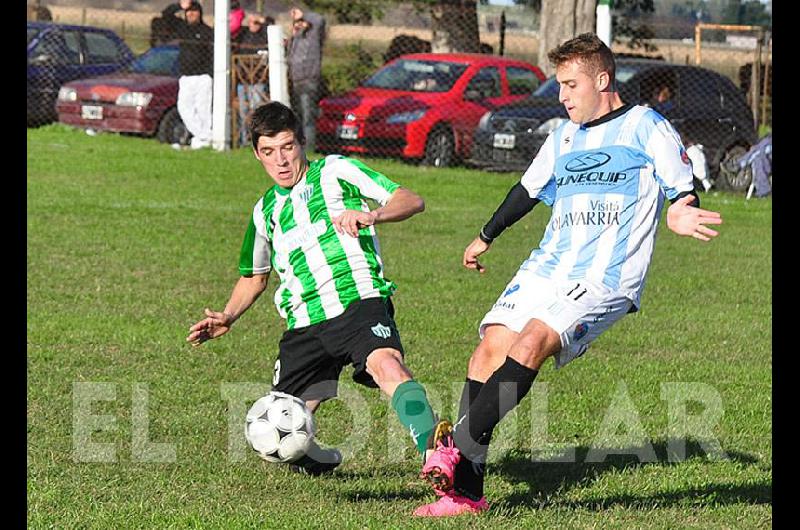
<point>590,51</point>
<point>272,118</point>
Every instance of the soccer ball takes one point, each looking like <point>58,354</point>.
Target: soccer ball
<point>279,427</point>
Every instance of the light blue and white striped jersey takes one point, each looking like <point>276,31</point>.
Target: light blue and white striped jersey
<point>606,183</point>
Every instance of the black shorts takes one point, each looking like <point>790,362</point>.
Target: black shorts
<point>310,359</point>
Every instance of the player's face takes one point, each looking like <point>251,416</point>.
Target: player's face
<point>579,92</point>
<point>283,158</point>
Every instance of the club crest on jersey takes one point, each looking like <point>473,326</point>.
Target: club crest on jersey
<point>305,195</point>
<point>580,331</point>
<point>511,290</point>
<point>379,330</point>
<point>685,156</point>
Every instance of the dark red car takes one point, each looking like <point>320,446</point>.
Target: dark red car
<point>423,105</point>
<point>141,99</point>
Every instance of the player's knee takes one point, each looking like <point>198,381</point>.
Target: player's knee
<point>535,344</point>
<point>385,363</point>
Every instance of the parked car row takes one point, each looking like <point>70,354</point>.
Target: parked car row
<point>140,99</point>
<point>704,106</point>
<point>435,108</point>
<point>58,53</point>
<point>423,106</point>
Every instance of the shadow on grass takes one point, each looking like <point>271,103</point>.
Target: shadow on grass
<point>549,480</point>
<point>387,482</point>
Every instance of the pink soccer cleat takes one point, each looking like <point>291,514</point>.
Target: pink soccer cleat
<point>440,468</point>
<point>451,504</point>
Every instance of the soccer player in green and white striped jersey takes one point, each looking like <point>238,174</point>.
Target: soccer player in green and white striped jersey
<point>315,229</point>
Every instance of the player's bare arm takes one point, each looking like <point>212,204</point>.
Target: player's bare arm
<point>401,205</point>
<point>217,323</point>
<point>686,220</point>
<point>473,250</point>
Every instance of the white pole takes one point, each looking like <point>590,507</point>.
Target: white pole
<point>278,69</point>
<point>220,121</point>
<point>604,21</point>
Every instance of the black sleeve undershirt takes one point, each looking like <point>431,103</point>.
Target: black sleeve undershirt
<point>693,193</point>
<point>516,204</point>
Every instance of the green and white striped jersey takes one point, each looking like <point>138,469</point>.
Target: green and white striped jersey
<point>321,272</point>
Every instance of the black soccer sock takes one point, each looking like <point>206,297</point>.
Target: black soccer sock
<point>500,394</point>
<point>470,475</point>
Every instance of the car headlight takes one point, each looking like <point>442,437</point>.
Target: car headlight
<point>406,117</point>
<point>550,125</point>
<point>484,121</point>
<point>134,99</point>
<point>67,94</point>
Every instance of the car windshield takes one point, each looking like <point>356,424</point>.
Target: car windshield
<point>157,61</point>
<point>417,75</point>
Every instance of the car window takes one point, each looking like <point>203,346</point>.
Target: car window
<point>54,47</point>
<point>417,75</point>
<point>101,49</point>
<point>700,91</point>
<point>658,88</point>
<point>521,80</point>
<point>157,61</point>
<point>486,83</point>
<point>72,39</point>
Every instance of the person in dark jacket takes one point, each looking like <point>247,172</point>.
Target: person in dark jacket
<point>305,67</point>
<point>195,66</point>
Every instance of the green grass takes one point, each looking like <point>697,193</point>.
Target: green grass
<point>128,240</point>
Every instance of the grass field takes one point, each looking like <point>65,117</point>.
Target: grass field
<point>129,240</point>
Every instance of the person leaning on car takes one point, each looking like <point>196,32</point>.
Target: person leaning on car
<point>195,68</point>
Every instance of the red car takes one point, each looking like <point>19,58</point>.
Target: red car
<point>141,99</point>
<point>423,106</point>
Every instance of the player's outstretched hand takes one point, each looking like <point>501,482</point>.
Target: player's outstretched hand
<point>214,325</point>
<point>352,220</point>
<point>473,250</point>
<point>686,220</point>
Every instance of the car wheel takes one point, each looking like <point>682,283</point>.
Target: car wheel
<point>171,130</point>
<point>440,148</point>
<point>731,176</point>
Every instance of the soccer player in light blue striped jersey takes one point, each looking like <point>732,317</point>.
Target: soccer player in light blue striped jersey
<point>315,229</point>
<point>606,174</point>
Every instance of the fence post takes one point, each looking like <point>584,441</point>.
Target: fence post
<point>697,32</point>
<point>221,109</point>
<point>755,84</point>
<point>83,16</point>
<point>766,84</point>
<point>278,70</point>
<point>503,32</point>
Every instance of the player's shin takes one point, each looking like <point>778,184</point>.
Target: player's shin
<point>414,411</point>
<point>469,474</point>
<point>500,394</point>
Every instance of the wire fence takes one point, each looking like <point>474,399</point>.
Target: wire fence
<point>719,80</point>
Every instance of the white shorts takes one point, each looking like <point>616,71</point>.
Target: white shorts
<point>578,310</point>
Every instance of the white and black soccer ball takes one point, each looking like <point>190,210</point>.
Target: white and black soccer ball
<point>279,427</point>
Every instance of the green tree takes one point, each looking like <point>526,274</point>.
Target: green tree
<point>747,13</point>
<point>454,23</point>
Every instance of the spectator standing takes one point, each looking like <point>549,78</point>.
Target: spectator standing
<point>165,28</point>
<point>252,86</point>
<point>195,66</point>
<point>305,67</point>
<point>235,19</point>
